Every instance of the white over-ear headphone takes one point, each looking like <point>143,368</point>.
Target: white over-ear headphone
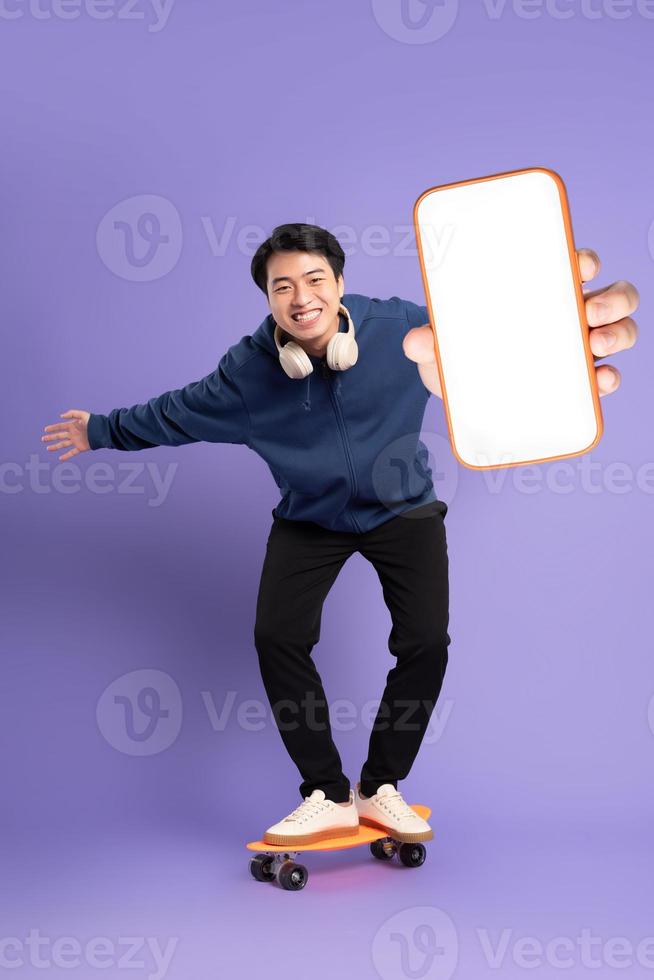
<point>342,351</point>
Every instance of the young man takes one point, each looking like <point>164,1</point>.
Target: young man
<point>323,393</point>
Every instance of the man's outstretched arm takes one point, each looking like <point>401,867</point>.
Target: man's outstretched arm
<point>209,410</point>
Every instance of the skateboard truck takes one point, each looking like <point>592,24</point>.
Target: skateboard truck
<point>271,865</point>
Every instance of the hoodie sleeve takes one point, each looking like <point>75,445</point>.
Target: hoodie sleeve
<point>417,316</point>
<point>209,410</point>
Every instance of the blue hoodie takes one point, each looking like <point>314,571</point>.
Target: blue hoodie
<point>342,446</point>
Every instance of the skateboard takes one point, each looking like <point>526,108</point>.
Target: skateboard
<point>277,861</point>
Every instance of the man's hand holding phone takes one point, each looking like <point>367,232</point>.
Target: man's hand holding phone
<point>608,310</point>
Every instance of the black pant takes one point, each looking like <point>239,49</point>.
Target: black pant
<point>409,554</point>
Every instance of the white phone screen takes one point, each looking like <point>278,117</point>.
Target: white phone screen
<point>503,289</point>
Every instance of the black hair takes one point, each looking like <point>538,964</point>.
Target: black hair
<point>296,238</point>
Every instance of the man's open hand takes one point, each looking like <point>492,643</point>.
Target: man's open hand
<point>69,434</point>
<point>608,310</point>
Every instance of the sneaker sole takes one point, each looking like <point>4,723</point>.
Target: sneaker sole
<point>317,835</point>
<point>403,837</point>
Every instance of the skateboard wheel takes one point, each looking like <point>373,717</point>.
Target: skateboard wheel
<point>382,853</point>
<point>261,868</point>
<point>292,876</point>
<point>412,855</point>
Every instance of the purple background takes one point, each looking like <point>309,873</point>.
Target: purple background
<point>541,781</point>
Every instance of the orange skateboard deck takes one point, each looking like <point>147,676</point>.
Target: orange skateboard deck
<point>275,861</point>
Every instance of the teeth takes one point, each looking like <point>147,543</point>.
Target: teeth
<point>304,317</point>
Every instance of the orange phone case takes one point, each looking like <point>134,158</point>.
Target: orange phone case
<point>436,292</point>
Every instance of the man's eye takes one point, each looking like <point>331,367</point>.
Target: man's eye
<point>281,289</point>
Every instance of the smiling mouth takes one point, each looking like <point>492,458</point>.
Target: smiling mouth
<point>309,317</point>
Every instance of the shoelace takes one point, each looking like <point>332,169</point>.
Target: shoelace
<point>397,806</point>
<point>307,809</point>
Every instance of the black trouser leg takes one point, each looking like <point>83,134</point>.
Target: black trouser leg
<point>301,564</point>
<point>410,557</point>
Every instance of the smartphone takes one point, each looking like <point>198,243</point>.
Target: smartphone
<point>507,312</point>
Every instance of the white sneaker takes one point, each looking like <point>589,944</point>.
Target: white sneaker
<point>387,810</point>
<point>315,819</point>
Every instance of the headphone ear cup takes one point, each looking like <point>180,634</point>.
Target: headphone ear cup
<point>342,352</point>
<point>295,361</point>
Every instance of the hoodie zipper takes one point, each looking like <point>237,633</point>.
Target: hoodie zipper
<point>341,427</point>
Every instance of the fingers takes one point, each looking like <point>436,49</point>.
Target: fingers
<point>59,433</point>
<point>608,379</point>
<point>618,336</point>
<point>59,445</point>
<point>589,263</point>
<point>611,303</point>
<point>612,328</point>
<point>65,441</point>
<point>63,427</point>
<point>625,332</point>
<point>73,452</point>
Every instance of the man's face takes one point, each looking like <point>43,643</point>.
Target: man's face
<point>304,297</point>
